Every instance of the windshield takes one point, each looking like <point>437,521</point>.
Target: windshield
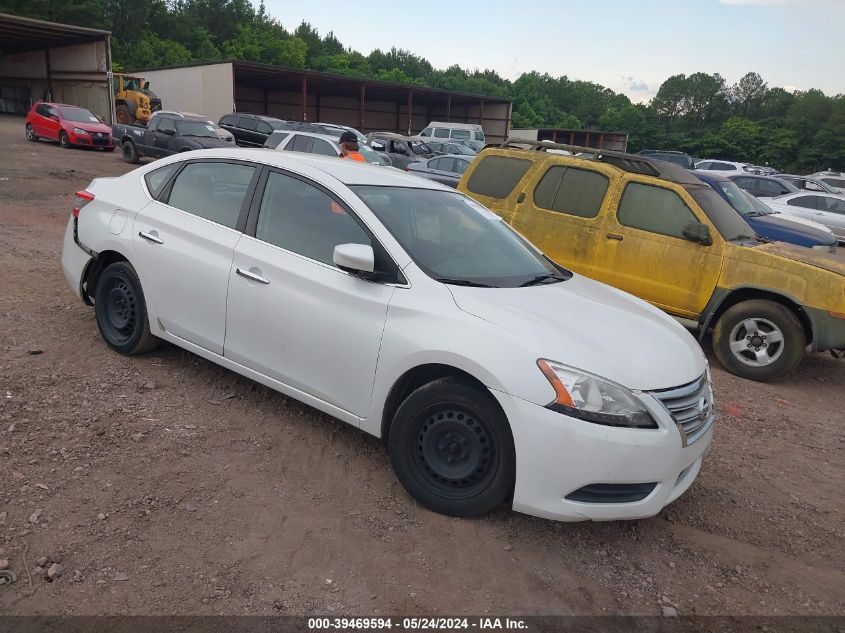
<point>455,240</point>
<point>371,155</point>
<point>195,128</point>
<point>742,201</point>
<point>464,150</point>
<point>78,114</point>
<point>728,222</point>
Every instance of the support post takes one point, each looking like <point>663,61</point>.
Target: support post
<point>266,104</point>
<point>304,98</point>
<point>410,109</point>
<point>361,108</point>
<point>449,109</point>
<point>481,115</point>
<point>49,75</point>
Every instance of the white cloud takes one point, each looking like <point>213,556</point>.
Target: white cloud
<point>792,88</point>
<point>759,2</point>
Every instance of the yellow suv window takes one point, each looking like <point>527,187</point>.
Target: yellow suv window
<point>654,209</point>
<point>572,191</point>
<point>496,176</point>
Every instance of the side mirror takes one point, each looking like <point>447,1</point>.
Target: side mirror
<point>698,232</point>
<point>354,258</point>
<point>146,85</point>
<point>169,132</point>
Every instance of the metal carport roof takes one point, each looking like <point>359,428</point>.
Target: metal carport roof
<point>19,35</point>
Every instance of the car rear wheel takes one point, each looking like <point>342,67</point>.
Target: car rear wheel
<point>64,141</point>
<point>759,340</point>
<point>130,152</point>
<point>121,310</point>
<point>452,449</point>
<point>30,133</point>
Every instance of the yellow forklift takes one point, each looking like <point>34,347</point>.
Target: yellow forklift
<point>134,102</point>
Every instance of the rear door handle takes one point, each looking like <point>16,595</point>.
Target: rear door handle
<point>152,237</point>
<point>615,236</point>
<point>252,276</point>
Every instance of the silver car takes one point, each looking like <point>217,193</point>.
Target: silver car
<point>446,169</point>
<point>824,208</point>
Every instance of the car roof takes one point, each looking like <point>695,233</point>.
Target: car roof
<point>702,174</point>
<point>391,135</point>
<point>349,172</point>
<point>325,137</point>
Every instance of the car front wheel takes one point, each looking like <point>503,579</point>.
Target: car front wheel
<point>64,141</point>
<point>121,310</point>
<point>452,449</point>
<point>759,340</point>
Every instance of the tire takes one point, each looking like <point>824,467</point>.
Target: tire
<point>30,134</point>
<point>123,115</point>
<point>446,420</point>
<point>759,339</point>
<point>130,152</point>
<point>64,141</point>
<point>121,310</point>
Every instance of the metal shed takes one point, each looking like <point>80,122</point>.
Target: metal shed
<point>219,88</point>
<point>57,62</point>
<point>616,141</point>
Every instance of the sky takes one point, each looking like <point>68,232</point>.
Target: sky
<point>629,46</point>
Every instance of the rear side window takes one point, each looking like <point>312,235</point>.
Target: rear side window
<point>479,135</point>
<point>299,143</point>
<point>461,134</point>
<point>572,191</point>
<point>214,191</point>
<point>275,139</point>
<point>264,128</point>
<point>496,176</point>
<point>301,218</point>
<point>441,132</point>
<point>807,202</point>
<point>158,178</point>
<point>654,209</point>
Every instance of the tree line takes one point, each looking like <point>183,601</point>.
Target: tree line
<point>699,113</point>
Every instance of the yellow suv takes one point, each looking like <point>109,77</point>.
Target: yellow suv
<point>653,229</point>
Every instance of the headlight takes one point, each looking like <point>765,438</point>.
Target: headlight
<point>594,399</point>
<point>827,248</point>
<point>79,130</point>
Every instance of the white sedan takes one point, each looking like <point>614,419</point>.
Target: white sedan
<point>406,309</point>
<point>824,208</point>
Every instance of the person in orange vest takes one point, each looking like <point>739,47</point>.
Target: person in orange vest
<point>349,147</point>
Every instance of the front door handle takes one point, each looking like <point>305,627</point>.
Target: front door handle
<point>152,237</point>
<point>615,236</point>
<point>252,276</point>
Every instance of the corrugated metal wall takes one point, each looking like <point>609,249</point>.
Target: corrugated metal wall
<point>202,89</point>
<point>79,77</point>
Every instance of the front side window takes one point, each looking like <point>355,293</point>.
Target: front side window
<point>441,132</point>
<point>496,176</point>
<point>247,123</point>
<point>227,120</point>
<point>214,191</point>
<point>479,135</point>
<point>322,147</point>
<point>426,132</point>
<point>654,209</point>
<point>454,239</point>
<point>806,202</point>
<point>303,219</point>
<point>572,191</point>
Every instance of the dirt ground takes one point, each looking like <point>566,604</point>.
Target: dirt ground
<point>167,485</point>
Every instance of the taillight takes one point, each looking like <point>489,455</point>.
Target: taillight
<point>82,198</point>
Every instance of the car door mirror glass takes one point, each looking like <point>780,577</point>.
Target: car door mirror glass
<point>698,232</point>
<point>169,131</point>
<point>354,258</point>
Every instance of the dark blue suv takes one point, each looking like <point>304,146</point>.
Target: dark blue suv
<point>765,222</point>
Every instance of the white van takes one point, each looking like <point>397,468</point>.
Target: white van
<point>457,131</point>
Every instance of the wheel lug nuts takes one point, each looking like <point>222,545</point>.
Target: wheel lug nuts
<point>747,338</point>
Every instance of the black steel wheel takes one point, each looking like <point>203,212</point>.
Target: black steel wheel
<point>451,447</point>
<point>121,310</point>
<point>130,152</point>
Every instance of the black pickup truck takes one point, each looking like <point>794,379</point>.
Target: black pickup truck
<point>163,137</point>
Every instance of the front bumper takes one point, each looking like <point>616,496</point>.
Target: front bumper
<point>91,140</point>
<point>557,455</point>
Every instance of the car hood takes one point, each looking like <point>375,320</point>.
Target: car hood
<point>790,228</point>
<point>817,259</point>
<point>207,142</point>
<point>593,327</point>
<point>88,127</point>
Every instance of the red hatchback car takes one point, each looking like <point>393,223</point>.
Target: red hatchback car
<point>67,124</point>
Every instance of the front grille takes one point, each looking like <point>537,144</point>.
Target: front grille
<point>101,138</point>
<point>612,493</point>
<point>691,407</point>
